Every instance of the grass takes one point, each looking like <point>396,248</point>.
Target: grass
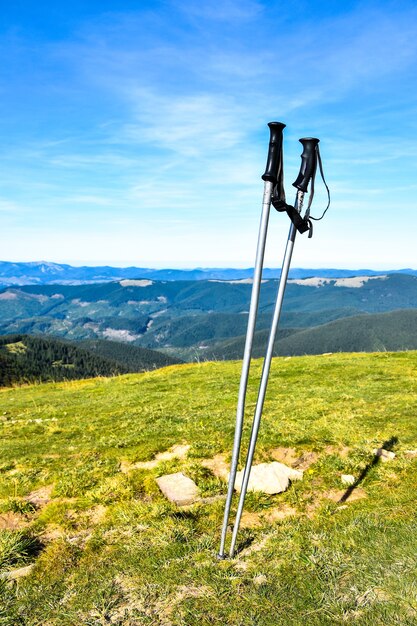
<point>107,547</point>
<point>16,547</point>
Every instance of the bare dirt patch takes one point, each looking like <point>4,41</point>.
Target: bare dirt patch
<point>166,608</point>
<point>254,547</point>
<point>279,513</point>
<point>344,495</point>
<point>305,460</point>
<point>40,497</point>
<point>342,451</point>
<point>250,520</point>
<point>97,514</point>
<point>12,521</point>
<point>341,496</point>
<point>178,451</point>
<point>211,499</point>
<point>288,456</point>
<point>218,466</point>
<point>51,533</point>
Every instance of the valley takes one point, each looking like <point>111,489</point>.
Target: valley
<point>206,319</point>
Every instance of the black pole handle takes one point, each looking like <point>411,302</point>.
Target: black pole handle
<point>273,162</point>
<point>308,163</point>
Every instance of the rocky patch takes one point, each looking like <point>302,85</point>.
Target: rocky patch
<point>218,466</point>
<point>178,451</point>
<point>12,521</point>
<point>384,455</point>
<point>40,497</point>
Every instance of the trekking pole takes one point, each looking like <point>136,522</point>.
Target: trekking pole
<point>307,173</point>
<point>273,173</point>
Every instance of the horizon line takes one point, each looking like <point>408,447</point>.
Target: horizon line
<point>204,268</point>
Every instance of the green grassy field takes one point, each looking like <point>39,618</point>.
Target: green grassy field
<point>107,548</point>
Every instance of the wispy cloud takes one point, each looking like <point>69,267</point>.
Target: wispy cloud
<point>160,113</point>
<point>190,125</point>
<point>13,208</point>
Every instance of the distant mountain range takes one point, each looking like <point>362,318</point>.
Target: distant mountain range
<point>44,273</point>
<point>207,319</point>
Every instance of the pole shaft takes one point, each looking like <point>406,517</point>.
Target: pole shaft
<point>253,311</point>
<point>264,378</point>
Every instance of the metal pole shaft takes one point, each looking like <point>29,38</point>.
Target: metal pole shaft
<point>264,378</point>
<point>253,310</point>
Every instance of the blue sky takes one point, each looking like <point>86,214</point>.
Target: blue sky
<point>135,132</point>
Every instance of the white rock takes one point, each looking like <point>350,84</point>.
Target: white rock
<point>294,474</point>
<point>178,488</point>
<point>15,574</point>
<point>385,455</point>
<point>410,453</point>
<point>269,477</point>
<point>348,479</point>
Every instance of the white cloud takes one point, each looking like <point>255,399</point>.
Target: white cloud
<point>176,132</point>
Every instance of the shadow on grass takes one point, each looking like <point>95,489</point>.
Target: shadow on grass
<point>35,547</point>
<point>387,445</point>
<point>243,545</point>
<point>184,515</point>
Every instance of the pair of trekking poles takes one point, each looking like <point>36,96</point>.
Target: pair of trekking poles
<point>273,194</point>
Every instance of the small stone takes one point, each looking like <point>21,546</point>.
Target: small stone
<point>348,479</point>
<point>411,454</point>
<point>384,455</point>
<point>269,478</point>
<point>15,574</point>
<point>178,488</point>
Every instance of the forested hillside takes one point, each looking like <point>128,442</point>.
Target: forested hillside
<point>131,358</point>
<point>25,358</point>
<point>396,330</point>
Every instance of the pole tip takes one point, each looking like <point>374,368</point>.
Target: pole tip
<point>221,557</point>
